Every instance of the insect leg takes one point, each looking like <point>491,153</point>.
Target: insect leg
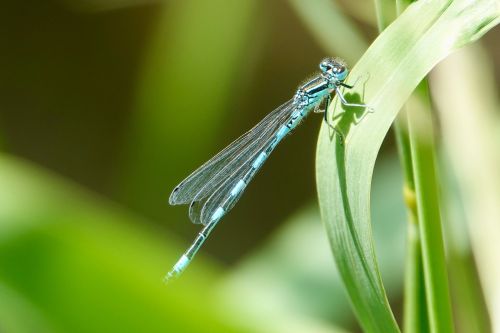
<point>344,101</point>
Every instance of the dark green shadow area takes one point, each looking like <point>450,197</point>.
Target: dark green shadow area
<point>349,220</point>
<point>349,117</point>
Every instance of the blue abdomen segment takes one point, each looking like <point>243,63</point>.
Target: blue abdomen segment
<point>261,158</point>
<point>186,258</point>
<point>218,214</point>
<point>295,118</point>
<point>179,267</point>
<point>238,188</point>
<point>282,132</point>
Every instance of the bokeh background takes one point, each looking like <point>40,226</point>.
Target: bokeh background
<point>105,105</point>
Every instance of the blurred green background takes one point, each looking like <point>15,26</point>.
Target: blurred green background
<point>104,107</point>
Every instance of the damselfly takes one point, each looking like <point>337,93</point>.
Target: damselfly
<point>215,187</point>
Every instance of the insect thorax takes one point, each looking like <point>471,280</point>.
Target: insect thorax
<point>312,91</point>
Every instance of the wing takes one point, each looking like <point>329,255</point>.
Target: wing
<point>210,175</point>
<point>235,178</point>
<point>201,211</point>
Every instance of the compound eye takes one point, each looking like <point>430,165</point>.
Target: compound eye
<point>325,66</point>
<point>338,69</point>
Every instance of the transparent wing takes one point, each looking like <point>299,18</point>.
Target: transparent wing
<point>201,211</point>
<point>210,175</point>
<point>202,208</point>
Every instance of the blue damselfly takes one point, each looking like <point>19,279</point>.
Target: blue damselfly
<point>215,187</point>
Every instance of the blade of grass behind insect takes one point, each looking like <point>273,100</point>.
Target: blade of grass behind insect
<point>421,132</point>
<point>469,306</point>
<point>467,100</point>
<point>393,66</point>
<point>385,10</point>
<point>324,16</point>
<point>186,79</point>
<point>361,10</point>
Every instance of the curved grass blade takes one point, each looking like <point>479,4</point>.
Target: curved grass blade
<point>395,63</point>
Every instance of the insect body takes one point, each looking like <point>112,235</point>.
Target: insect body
<point>215,187</point>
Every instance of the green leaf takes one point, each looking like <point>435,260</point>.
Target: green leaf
<point>389,71</point>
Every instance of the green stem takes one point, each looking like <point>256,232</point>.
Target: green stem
<point>433,257</point>
<point>400,127</point>
<point>415,318</point>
